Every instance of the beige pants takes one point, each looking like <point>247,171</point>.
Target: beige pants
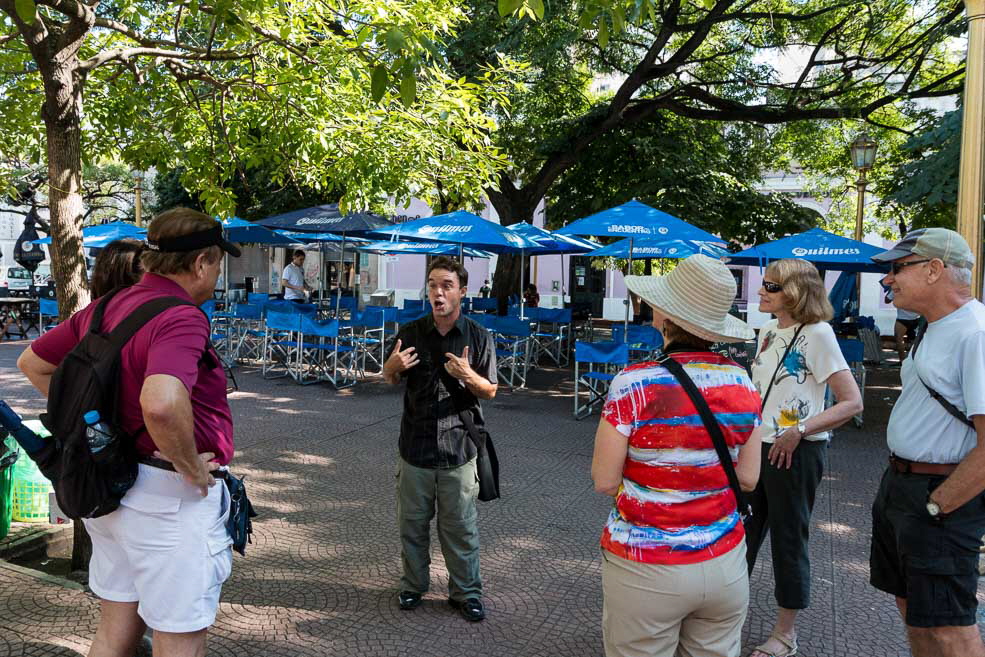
<point>653,610</point>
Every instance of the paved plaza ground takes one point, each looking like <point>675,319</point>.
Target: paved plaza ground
<point>321,575</point>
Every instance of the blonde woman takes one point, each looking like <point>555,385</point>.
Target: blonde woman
<point>674,577</point>
<point>798,358</point>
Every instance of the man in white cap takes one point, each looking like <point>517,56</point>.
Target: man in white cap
<point>929,515</point>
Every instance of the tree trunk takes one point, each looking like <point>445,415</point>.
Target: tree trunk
<point>512,208</point>
<point>62,113</point>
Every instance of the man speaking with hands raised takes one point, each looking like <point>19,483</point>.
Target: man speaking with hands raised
<point>449,362</point>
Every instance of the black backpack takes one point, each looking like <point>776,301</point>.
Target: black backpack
<point>90,485</point>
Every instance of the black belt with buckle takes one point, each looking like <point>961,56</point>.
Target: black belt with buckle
<point>161,464</point>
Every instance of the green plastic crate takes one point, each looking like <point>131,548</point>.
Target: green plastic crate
<point>30,488</point>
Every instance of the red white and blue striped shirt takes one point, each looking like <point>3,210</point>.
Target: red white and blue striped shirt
<point>675,505</point>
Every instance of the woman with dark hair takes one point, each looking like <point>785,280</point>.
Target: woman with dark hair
<point>117,265</point>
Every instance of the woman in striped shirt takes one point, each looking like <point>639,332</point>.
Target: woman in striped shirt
<point>674,570</point>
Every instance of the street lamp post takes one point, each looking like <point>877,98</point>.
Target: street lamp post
<point>863,151</point>
<point>138,181</point>
<point>971,176</point>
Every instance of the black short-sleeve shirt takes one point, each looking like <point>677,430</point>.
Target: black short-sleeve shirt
<point>432,435</point>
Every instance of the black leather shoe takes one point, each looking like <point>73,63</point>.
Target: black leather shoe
<point>470,609</point>
<point>409,600</point>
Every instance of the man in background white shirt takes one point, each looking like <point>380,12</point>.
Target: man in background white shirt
<point>293,279</point>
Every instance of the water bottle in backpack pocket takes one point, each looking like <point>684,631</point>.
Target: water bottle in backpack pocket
<point>98,433</point>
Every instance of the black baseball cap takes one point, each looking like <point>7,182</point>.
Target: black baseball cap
<point>194,241</point>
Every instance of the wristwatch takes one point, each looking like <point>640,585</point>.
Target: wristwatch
<point>802,428</point>
<point>934,509</point>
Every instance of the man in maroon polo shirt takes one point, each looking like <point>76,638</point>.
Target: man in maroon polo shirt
<point>161,558</point>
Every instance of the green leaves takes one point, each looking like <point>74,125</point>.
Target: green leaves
<point>408,90</point>
<point>603,32</point>
<point>26,10</point>
<point>395,41</point>
<point>532,8</point>
<point>507,7</point>
<point>379,82</point>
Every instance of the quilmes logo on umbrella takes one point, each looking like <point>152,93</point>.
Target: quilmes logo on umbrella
<point>449,228</point>
<point>800,251</point>
<point>638,230</point>
<point>655,249</point>
<point>308,221</point>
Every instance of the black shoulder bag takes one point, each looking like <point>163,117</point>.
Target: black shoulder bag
<point>486,462</point>
<point>948,406</point>
<point>714,430</point>
<point>779,364</point>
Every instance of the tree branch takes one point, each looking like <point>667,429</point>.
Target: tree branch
<point>126,54</point>
<point>147,42</point>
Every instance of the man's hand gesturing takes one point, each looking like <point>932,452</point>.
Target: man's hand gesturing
<point>459,367</point>
<point>399,361</point>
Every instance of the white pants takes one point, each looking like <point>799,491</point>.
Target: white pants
<point>165,548</point>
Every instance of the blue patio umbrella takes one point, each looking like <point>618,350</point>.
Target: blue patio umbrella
<point>240,230</point>
<point>635,220</point>
<point>428,248</point>
<point>462,228</point>
<point>844,297</point>
<point>652,247</point>
<point>317,237</point>
<point>826,250</point>
<point>329,219</point>
<point>98,236</point>
<point>548,244</point>
<point>465,228</point>
<point>424,248</point>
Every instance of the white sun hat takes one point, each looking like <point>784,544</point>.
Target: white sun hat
<point>697,296</point>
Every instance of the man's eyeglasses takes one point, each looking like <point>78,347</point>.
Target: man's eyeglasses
<point>772,287</point>
<point>898,266</point>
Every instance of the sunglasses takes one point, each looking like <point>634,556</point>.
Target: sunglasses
<point>772,287</point>
<point>898,266</point>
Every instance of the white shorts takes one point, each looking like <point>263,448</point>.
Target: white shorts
<point>166,548</point>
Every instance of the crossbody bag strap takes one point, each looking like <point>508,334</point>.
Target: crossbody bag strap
<point>779,364</point>
<point>948,406</point>
<point>474,435</point>
<point>714,430</point>
<point>464,414</point>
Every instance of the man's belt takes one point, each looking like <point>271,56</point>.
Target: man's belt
<point>167,465</point>
<point>905,466</point>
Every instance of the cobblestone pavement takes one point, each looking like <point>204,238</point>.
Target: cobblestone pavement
<point>321,575</point>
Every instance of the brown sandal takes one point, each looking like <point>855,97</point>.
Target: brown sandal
<point>789,647</point>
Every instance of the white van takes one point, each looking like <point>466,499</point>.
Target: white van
<point>15,282</point>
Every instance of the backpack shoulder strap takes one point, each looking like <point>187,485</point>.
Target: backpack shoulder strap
<point>97,317</point>
<point>714,430</point>
<point>126,329</point>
